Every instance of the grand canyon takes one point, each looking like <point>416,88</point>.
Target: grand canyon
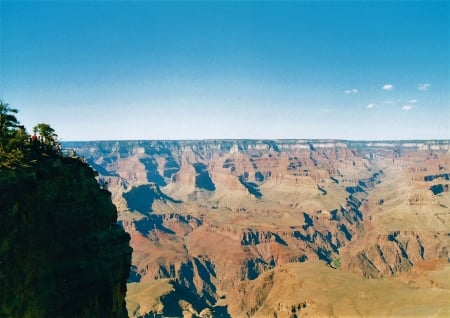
<point>187,159</point>
<point>281,228</point>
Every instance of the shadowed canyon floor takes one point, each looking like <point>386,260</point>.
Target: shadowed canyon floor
<point>285,228</point>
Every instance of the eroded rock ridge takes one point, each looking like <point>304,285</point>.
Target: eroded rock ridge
<point>213,222</point>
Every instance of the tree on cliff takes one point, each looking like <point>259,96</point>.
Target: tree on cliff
<point>15,148</point>
<point>46,132</point>
<point>8,123</point>
<point>13,136</point>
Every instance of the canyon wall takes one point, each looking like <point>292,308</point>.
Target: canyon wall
<point>212,221</point>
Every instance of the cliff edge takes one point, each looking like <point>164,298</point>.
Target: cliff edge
<point>61,252</point>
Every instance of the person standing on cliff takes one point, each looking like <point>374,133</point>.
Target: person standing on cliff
<point>34,142</point>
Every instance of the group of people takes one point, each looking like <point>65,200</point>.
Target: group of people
<point>40,143</point>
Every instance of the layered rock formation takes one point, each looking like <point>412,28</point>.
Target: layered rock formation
<point>213,222</point>
<point>62,254</point>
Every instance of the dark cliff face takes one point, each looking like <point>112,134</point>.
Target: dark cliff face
<point>61,252</point>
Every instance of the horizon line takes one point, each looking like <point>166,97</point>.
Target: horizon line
<point>265,139</point>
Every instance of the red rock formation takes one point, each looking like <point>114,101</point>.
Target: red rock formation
<point>369,205</point>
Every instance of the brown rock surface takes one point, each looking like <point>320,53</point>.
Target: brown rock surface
<point>234,225</point>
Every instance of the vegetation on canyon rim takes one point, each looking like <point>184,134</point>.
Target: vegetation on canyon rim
<point>17,147</point>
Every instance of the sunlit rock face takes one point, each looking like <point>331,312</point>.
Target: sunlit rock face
<point>62,254</point>
<point>214,222</point>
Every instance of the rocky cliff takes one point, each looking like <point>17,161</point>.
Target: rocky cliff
<point>62,254</point>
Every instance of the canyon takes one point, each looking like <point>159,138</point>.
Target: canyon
<point>281,228</point>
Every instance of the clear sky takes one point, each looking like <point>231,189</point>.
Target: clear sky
<point>200,70</point>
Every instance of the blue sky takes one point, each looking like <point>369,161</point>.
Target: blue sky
<point>201,70</point>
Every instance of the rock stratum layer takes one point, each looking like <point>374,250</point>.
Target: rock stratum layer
<point>229,227</point>
<point>62,253</point>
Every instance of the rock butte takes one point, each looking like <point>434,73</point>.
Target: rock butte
<point>282,228</point>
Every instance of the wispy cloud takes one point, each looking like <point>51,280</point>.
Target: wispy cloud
<point>413,101</point>
<point>424,86</point>
<point>351,91</point>
<point>389,102</point>
<point>388,87</point>
<point>407,107</point>
<point>324,110</point>
<point>370,106</point>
